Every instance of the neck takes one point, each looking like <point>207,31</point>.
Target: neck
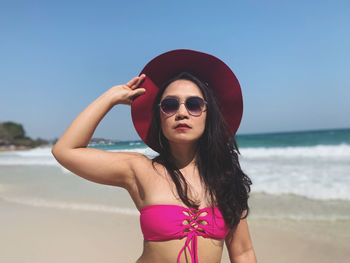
<point>183,154</point>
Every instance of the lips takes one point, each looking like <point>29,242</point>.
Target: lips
<point>182,125</point>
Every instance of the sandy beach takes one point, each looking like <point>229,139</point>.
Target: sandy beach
<point>37,234</point>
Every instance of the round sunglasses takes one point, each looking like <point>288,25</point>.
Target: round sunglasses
<point>194,105</point>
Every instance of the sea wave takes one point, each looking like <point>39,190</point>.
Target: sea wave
<point>333,152</point>
<point>43,156</point>
<point>319,172</point>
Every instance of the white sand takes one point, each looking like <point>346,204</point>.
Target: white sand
<point>38,235</point>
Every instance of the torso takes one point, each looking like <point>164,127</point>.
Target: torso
<point>156,187</point>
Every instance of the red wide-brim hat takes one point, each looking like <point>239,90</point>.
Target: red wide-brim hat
<point>206,67</point>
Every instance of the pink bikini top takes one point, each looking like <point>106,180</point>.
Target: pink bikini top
<point>166,222</point>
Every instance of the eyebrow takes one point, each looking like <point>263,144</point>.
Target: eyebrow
<point>175,96</point>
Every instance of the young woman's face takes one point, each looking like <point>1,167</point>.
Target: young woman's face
<point>182,89</point>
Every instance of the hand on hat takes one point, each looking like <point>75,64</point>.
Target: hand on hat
<point>125,93</point>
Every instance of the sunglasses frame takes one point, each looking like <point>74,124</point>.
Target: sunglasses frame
<point>184,102</point>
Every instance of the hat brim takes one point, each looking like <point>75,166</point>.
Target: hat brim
<point>206,67</point>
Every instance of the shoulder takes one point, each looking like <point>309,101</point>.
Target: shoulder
<point>140,161</point>
<point>141,164</point>
<point>144,165</point>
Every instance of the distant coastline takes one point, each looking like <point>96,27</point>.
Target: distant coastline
<point>13,138</point>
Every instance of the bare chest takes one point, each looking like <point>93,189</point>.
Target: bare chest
<point>158,187</point>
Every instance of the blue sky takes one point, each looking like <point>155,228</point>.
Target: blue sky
<point>292,58</point>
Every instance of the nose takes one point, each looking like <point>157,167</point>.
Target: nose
<point>182,112</point>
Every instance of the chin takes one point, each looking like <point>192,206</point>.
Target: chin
<point>183,139</point>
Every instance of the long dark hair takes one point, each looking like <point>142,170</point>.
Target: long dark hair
<point>217,159</point>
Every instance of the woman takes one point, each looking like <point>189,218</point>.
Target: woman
<point>193,196</point>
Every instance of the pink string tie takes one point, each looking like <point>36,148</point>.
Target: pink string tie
<point>192,236</point>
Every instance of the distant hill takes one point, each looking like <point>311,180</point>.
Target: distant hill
<point>13,137</point>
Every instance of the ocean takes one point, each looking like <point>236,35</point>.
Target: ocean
<point>302,175</point>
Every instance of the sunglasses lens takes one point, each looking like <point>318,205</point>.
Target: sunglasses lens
<point>169,106</point>
<point>195,105</point>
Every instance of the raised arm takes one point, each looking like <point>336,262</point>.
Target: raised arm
<point>239,244</point>
<point>111,168</point>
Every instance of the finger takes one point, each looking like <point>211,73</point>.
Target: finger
<point>132,82</point>
<point>139,91</point>
<point>136,93</point>
<point>139,81</point>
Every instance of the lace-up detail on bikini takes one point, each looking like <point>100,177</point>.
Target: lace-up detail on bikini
<point>193,229</point>
<point>166,222</point>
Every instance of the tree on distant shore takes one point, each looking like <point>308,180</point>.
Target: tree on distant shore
<point>12,133</point>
